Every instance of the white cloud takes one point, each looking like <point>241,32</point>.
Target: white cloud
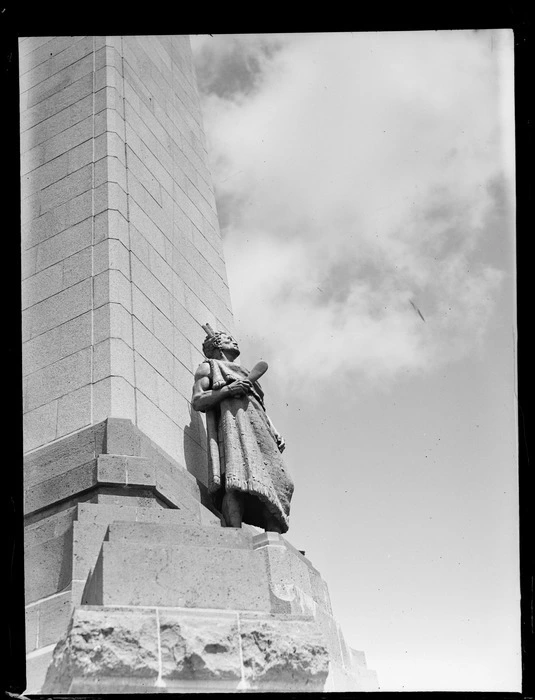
<point>353,174</point>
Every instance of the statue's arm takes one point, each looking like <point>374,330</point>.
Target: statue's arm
<point>204,398</point>
<point>281,443</point>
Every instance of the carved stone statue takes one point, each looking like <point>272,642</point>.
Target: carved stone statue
<point>246,475</point>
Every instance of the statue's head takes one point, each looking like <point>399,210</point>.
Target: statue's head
<point>217,342</point>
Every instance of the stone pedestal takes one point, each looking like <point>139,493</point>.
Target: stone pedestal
<point>132,572</point>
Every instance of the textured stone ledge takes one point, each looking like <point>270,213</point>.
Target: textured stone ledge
<point>118,649</point>
<point>114,453</point>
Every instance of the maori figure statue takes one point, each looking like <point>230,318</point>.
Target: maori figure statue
<point>247,478</point>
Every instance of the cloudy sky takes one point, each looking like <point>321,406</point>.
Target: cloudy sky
<point>365,188</point>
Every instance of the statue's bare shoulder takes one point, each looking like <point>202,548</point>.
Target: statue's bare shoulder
<point>203,370</point>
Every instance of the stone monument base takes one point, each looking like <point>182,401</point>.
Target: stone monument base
<point>141,649</point>
<point>134,586</point>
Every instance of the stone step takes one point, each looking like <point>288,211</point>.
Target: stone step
<point>182,532</point>
<point>183,576</point>
<point>110,512</point>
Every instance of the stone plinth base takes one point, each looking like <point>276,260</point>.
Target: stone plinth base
<point>132,554</point>
<point>131,650</point>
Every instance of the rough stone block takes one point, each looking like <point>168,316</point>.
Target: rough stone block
<point>189,661</point>
<point>170,576</point>
<point>288,654</point>
<point>105,643</point>
<point>199,647</point>
<point>39,426</point>
<point>111,469</point>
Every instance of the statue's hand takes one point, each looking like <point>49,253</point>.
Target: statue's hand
<point>281,444</point>
<point>240,387</point>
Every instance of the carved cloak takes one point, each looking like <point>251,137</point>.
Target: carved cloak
<point>243,453</point>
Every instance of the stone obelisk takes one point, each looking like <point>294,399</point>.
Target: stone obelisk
<point>131,583</point>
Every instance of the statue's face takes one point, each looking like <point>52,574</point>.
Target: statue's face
<point>228,344</point>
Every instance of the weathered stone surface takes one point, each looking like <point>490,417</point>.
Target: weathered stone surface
<point>48,567</point>
<point>164,575</point>
<point>37,664</point>
<point>82,461</point>
<point>82,109</point>
<point>181,532</point>
<point>291,653</point>
<point>199,647</point>
<point>117,650</point>
<point>105,643</point>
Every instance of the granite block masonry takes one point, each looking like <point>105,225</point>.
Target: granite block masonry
<point>120,237</point>
<point>131,583</point>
